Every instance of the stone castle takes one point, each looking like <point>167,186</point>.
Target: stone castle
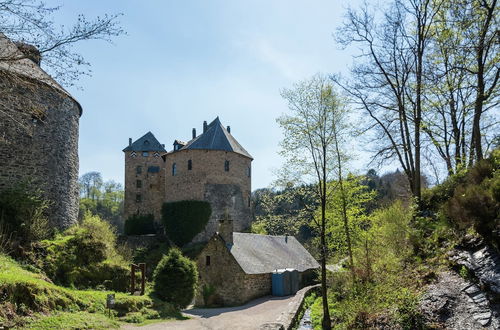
<point>211,167</point>
<point>38,132</point>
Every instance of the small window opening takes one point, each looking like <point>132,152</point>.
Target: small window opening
<point>249,201</point>
<point>226,166</point>
<point>145,154</point>
<point>138,184</point>
<point>174,169</point>
<point>138,169</point>
<point>190,165</point>
<point>207,260</point>
<point>138,198</point>
<point>249,171</point>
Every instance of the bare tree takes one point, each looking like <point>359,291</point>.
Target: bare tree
<point>31,22</point>
<point>387,81</point>
<point>312,146</point>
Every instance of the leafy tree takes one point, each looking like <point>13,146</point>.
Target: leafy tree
<point>32,22</point>
<point>175,279</point>
<point>312,146</point>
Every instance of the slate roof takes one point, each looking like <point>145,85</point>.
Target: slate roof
<point>14,61</point>
<point>216,137</point>
<point>147,142</point>
<point>259,254</point>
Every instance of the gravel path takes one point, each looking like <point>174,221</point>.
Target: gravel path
<point>248,316</point>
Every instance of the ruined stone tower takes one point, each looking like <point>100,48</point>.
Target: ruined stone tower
<point>211,167</point>
<point>38,132</point>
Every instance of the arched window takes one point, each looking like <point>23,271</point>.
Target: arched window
<point>190,165</point>
<point>226,166</point>
<point>174,169</point>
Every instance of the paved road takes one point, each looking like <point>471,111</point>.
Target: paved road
<point>249,316</point>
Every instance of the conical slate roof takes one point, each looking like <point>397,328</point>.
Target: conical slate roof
<point>147,142</point>
<point>216,137</point>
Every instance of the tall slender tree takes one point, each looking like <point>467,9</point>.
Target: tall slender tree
<point>312,143</point>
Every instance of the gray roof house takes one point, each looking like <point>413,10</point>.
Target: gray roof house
<point>238,266</point>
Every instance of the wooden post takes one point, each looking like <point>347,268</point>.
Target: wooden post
<point>143,277</point>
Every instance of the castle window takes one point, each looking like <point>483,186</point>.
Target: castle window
<point>226,166</point>
<point>190,165</point>
<point>138,198</point>
<point>153,169</point>
<point>138,184</point>
<point>174,169</point>
<point>207,260</point>
<point>249,200</point>
<point>138,170</point>
<point>249,171</point>
<point>145,154</point>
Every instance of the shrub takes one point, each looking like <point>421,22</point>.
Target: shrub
<point>85,256</point>
<point>140,225</point>
<point>22,213</point>
<point>185,219</point>
<point>175,279</point>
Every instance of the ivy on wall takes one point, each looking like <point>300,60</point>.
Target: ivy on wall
<point>185,219</point>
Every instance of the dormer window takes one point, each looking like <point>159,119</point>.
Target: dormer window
<point>226,166</point>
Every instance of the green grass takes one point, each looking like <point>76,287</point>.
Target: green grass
<point>29,299</point>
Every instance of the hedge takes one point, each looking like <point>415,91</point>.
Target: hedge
<point>185,219</point>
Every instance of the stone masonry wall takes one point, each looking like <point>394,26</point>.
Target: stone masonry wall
<point>39,142</point>
<point>232,285</point>
<point>208,180</point>
<point>152,184</point>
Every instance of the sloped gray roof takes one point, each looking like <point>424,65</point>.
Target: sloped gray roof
<point>259,254</point>
<point>14,61</point>
<point>147,142</point>
<point>216,137</point>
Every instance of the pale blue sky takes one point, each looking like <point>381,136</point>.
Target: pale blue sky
<point>183,62</point>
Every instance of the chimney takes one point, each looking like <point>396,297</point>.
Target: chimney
<point>194,133</point>
<point>229,129</point>
<point>205,126</point>
<point>30,51</point>
<point>129,142</point>
<point>226,228</point>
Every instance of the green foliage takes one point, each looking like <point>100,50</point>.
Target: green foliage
<point>175,279</point>
<point>140,225</point>
<point>22,214</point>
<point>476,202</point>
<point>26,293</point>
<point>85,256</point>
<point>284,212</point>
<point>433,198</point>
<point>185,219</point>
<point>358,196</point>
<point>207,291</point>
<point>104,199</point>
<point>151,256</point>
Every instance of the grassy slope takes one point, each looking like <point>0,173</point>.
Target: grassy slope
<point>28,299</point>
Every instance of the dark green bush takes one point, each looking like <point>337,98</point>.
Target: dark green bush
<point>184,219</point>
<point>140,225</point>
<point>22,214</point>
<point>151,256</point>
<point>85,256</point>
<point>175,279</point>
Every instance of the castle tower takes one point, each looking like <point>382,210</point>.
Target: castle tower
<point>213,167</point>
<point>39,122</point>
<point>144,177</point>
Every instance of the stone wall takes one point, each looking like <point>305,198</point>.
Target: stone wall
<point>144,188</point>
<point>208,180</point>
<point>39,142</point>
<point>232,285</point>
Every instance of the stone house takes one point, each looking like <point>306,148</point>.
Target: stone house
<point>239,266</point>
<point>211,167</point>
<point>38,131</point>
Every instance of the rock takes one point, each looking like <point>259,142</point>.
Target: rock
<point>454,303</point>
